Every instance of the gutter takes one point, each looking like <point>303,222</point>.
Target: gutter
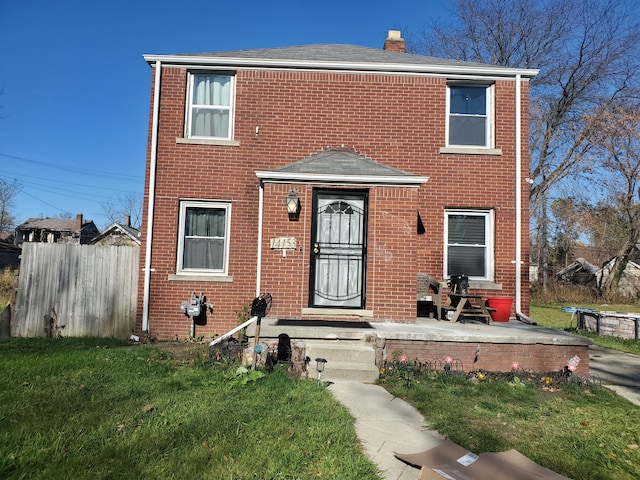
<point>341,179</point>
<point>152,196</point>
<point>377,67</point>
<point>518,261</point>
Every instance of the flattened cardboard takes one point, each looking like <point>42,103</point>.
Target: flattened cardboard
<point>452,462</point>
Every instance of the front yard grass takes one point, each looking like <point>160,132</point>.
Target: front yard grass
<point>98,408</point>
<point>582,433</point>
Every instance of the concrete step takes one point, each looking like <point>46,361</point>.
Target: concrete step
<point>345,361</point>
<point>346,371</point>
<point>342,352</point>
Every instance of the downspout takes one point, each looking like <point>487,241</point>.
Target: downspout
<point>518,262</point>
<point>258,275</point>
<point>260,219</point>
<point>152,196</point>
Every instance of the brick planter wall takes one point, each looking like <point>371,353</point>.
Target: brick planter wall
<point>495,357</point>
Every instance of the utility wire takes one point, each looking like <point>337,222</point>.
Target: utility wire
<point>84,171</point>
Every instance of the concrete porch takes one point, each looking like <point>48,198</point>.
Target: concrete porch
<point>356,350</point>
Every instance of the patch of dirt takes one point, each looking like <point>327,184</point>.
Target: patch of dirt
<point>184,351</point>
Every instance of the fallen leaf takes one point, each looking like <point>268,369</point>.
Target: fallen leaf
<point>633,446</point>
<point>205,444</point>
<point>148,408</point>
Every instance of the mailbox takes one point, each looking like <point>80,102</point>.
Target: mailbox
<point>261,305</point>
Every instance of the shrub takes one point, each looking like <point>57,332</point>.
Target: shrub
<point>7,279</point>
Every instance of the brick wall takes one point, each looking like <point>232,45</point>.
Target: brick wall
<point>495,357</point>
<point>395,120</point>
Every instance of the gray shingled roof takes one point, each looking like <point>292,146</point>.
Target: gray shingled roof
<point>51,224</point>
<point>339,165</point>
<point>330,52</point>
<point>341,161</point>
<point>133,233</point>
<point>336,56</point>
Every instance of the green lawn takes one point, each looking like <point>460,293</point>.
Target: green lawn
<point>98,408</point>
<point>582,433</point>
<point>87,408</point>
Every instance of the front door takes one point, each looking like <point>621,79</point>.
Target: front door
<point>339,249</point>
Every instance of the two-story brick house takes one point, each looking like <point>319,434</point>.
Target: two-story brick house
<point>393,164</point>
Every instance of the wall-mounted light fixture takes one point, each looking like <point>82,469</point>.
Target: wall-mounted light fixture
<point>293,203</point>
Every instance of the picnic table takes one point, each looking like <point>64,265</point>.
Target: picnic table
<point>464,306</point>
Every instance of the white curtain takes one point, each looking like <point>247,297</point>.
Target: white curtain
<point>211,105</point>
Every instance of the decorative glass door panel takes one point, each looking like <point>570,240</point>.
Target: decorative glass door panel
<point>338,250</point>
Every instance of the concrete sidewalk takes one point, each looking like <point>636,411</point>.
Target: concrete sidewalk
<point>387,425</point>
<point>617,371</point>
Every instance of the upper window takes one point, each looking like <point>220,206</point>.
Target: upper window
<point>203,244</point>
<point>469,116</point>
<point>469,237</point>
<point>210,109</point>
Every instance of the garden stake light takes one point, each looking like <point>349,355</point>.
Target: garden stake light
<point>320,363</point>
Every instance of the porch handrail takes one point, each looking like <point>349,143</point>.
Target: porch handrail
<point>234,330</point>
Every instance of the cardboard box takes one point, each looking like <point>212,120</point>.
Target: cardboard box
<point>452,462</point>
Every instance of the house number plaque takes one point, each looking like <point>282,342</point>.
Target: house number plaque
<point>284,244</point>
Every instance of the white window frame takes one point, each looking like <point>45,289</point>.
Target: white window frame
<point>489,114</point>
<point>489,245</point>
<point>184,204</point>
<point>190,106</point>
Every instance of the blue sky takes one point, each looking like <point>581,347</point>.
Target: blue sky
<point>75,89</point>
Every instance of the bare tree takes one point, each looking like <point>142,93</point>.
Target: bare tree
<point>123,206</point>
<point>587,52</point>
<point>8,191</point>
<point>615,133</point>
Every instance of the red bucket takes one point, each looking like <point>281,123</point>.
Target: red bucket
<point>502,308</point>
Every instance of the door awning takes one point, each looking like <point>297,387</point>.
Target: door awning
<point>344,166</point>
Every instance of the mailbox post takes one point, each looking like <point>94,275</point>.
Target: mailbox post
<point>260,307</point>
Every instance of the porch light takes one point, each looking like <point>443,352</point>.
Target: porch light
<point>293,202</point>
<point>320,363</point>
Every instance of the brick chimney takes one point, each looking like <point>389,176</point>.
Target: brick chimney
<point>394,42</point>
<point>79,222</point>
<point>127,220</point>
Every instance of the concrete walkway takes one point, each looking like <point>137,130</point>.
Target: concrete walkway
<point>387,425</point>
<point>618,371</point>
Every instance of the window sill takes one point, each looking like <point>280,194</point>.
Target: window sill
<point>471,150</point>
<point>205,141</point>
<point>338,312</point>
<point>186,277</point>
<point>484,285</point>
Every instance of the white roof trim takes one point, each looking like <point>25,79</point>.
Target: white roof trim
<point>232,62</point>
<point>395,180</point>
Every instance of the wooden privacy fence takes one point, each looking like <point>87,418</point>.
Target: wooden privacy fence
<point>79,290</point>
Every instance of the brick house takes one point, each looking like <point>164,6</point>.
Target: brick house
<point>393,164</point>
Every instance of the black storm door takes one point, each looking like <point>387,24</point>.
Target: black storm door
<point>339,249</point>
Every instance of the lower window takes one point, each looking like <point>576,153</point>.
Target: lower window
<point>203,242</point>
<point>469,237</point>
